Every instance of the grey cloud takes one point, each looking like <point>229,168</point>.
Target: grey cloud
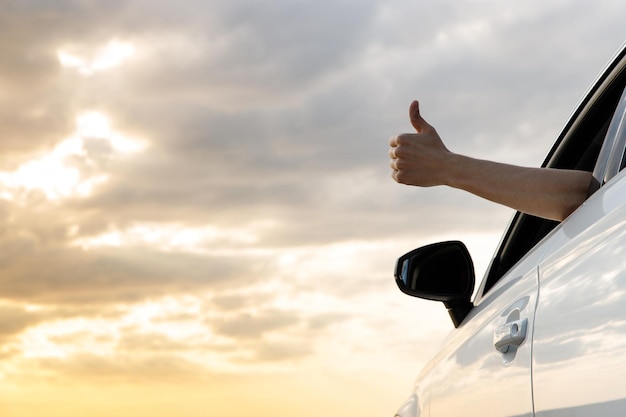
<point>229,46</point>
<point>527,67</point>
<point>76,277</point>
<point>273,46</point>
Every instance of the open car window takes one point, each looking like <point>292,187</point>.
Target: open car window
<point>578,147</point>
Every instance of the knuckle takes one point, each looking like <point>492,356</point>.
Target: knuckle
<point>399,151</point>
<point>401,165</point>
<point>401,140</point>
<point>400,177</point>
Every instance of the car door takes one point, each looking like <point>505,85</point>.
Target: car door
<point>471,375</point>
<point>580,334</point>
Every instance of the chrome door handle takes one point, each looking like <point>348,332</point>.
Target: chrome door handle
<point>511,334</point>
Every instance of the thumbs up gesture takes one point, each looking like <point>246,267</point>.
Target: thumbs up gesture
<point>422,159</point>
<point>419,158</point>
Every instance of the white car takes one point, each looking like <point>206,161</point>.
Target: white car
<point>545,334</point>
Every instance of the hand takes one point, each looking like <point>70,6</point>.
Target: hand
<point>419,158</point>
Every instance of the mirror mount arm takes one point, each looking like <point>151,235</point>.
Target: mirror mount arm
<point>458,310</point>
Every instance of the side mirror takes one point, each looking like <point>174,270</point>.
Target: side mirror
<point>441,272</point>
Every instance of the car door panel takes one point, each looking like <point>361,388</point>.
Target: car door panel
<point>470,374</point>
<point>579,345</point>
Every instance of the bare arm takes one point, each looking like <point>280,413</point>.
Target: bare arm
<point>422,159</point>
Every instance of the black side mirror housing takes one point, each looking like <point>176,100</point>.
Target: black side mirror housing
<point>441,272</point>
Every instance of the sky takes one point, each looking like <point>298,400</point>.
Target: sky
<point>197,216</point>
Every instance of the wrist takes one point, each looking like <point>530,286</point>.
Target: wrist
<point>454,170</point>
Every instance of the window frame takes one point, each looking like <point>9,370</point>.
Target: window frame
<point>617,143</point>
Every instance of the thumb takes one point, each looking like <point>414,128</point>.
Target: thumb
<point>416,118</point>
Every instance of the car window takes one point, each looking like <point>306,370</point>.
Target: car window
<point>578,147</point>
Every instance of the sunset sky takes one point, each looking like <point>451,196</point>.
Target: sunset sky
<point>196,211</point>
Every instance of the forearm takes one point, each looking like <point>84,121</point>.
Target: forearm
<point>548,193</point>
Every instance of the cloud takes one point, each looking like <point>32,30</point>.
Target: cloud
<point>254,230</point>
<point>15,319</point>
<point>87,367</point>
<point>74,276</point>
<point>239,47</point>
<point>248,325</point>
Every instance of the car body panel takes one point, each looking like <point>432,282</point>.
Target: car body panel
<point>580,333</point>
<point>465,374</point>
